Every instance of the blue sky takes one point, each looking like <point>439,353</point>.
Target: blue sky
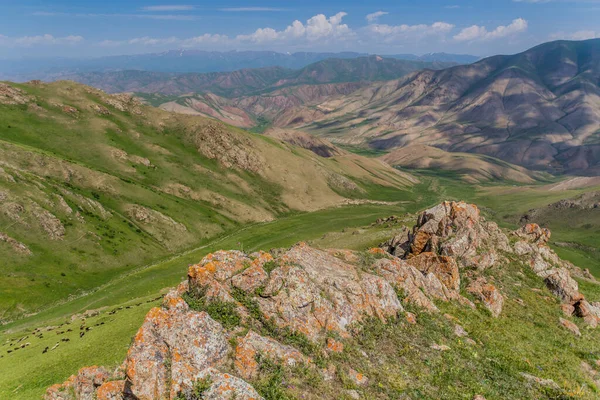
<point>85,28</point>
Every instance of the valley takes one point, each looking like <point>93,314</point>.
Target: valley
<point>410,196</point>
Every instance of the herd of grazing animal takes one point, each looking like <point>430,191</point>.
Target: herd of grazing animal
<point>17,344</point>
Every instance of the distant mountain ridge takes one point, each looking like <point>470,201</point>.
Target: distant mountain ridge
<point>187,61</point>
<point>247,81</point>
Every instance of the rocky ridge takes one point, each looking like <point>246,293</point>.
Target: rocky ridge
<point>296,307</point>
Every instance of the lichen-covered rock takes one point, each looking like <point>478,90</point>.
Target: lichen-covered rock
<point>112,390</point>
<point>252,345</point>
<point>315,292</point>
<point>357,378</point>
<point>169,351</point>
<point>489,295</point>
<point>590,312</point>
<point>560,283</point>
<point>79,387</point>
<point>226,387</point>
<point>443,267</point>
<point>456,230</point>
<point>533,233</point>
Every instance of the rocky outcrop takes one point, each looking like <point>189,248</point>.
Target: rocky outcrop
<point>237,311</point>
<point>452,229</point>
<point>13,96</point>
<point>556,273</point>
<point>309,291</point>
<point>252,345</point>
<point>447,238</point>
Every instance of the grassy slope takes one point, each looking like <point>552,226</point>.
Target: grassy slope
<point>462,372</point>
<point>30,371</point>
<point>101,164</point>
<point>107,344</point>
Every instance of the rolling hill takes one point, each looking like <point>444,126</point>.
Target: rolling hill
<point>538,109</point>
<point>93,186</point>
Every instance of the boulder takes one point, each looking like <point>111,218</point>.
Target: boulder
<point>590,312</point>
<point>489,295</point>
<point>313,291</point>
<point>560,283</point>
<point>533,233</point>
<point>443,267</point>
<point>570,326</point>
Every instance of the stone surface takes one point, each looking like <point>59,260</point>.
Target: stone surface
<point>533,233</point>
<point>357,378</point>
<point>489,295</point>
<point>570,326</point>
<point>313,292</point>
<point>560,283</point>
<point>112,390</point>
<point>226,387</point>
<point>170,349</point>
<point>83,385</point>
<point>252,345</point>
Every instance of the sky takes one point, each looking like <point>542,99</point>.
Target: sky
<point>69,28</point>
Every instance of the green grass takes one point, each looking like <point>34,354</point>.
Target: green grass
<point>50,153</point>
<point>35,372</point>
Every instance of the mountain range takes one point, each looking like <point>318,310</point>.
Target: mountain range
<point>539,109</point>
<point>251,81</point>
<point>186,61</point>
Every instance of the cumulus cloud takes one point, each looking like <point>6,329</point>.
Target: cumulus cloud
<point>37,40</point>
<point>318,27</point>
<point>373,17</point>
<point>480,33</point>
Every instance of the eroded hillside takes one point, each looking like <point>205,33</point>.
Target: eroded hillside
<point>537,109</point>
<point>93,185</point>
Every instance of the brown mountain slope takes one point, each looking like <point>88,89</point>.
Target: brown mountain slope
<point>243,111</point>
<point>471,167</point>
<point>317,145</point>
<point>539,109</point>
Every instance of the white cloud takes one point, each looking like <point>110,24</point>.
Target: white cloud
<point>169,41</point>
<point>373,17</point>
<point>480,33</point>
<point>39,40</point>
<point>579,35</point>
<point>318,27</point>
<point>398,33</point>
<point>168,8</point>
